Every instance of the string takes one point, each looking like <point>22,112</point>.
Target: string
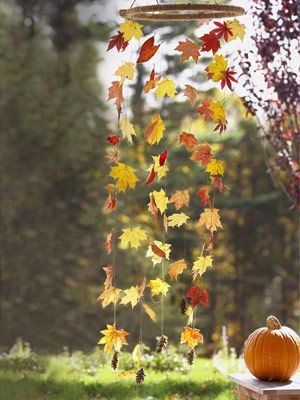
<point>134,1</point>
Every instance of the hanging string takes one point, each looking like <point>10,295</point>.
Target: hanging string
<point>134,1</point>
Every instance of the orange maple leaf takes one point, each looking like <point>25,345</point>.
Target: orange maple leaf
<point>188,139</point>
<point>202,153</point>
<point>176,268</point>
<point>188,49</point>
<point>191,93</point>
<point>180,198</point>
<point>113,338</point>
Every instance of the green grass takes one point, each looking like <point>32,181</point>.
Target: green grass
<point>61,382</point>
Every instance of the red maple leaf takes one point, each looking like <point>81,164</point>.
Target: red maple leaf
<point>113,139</point>
<point>188,139</point>
<point>222,30</point>
<point>202,153</point>
<point>118,42</point>
<point>188,49</point>
<point>197,296</point>
<point>151,176</point>
<point>211,42</point>
<point>204,110</point>
<point>163,158</point>
<point>205,199</point>
<point>218,183</point>
<point>156,250</point>
<point>148,50</point>
<point>228,79</point>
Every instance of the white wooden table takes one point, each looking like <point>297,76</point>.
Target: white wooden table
<point>250,387</point>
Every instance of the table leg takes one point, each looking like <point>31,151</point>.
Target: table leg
<point>242,393</point>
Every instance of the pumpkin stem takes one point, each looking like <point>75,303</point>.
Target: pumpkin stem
<point>273,323</point>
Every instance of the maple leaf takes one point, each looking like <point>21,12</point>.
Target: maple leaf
<point>157,251</point>
<point>180,198</point>
<point>149,311</point>
<point>177,220</point>
<point>109,204</point>
<point>218,115</point>
<point>166,88</point>
<point>190,314</point>
<point>118,42</point>
<point>115,91</point>
<point>191,93</point>
<point>137,353</point>
<point>205,110</point>
<point>188,49</point>
<point>205,199</point>
<point>158,286</point>
<point>127,129</point>
<point>151,176</point>
<point>132,236</point>
<point>131,29</point>
<point>238,29</point>
<point>215,167</point>
<point>211,42</point>
<point>218,71</point>
<point>152,206</point>
<point>191,336</point>
<point>161,200</point>
<point>176,268</point>
<point>218,183</point>
<point>113,338</point>
<point>152,82</point>
<point>113,156</point>
<point>222,30</point>
<point>197,296</point>
<point>159,167</point>
<point>132,295</point>
<point>165,247</point>
<point>127,373</point>
<point>108,242</point>
<point>111,295</point>
<point>188,139</point>
<point>200,266</point>
<point>126,71</point>
<point>113,139</point>
<point>109,270</point>
<point>155,131</point>
<point>148,50</point>
<point>202,153</point>
<point>125,176</point>
<point>211,219</point>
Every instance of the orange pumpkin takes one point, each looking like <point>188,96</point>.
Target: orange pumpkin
<point>273,353</point>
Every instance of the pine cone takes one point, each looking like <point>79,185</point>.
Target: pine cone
<point>162,344</point>
<point>115,361</point>
<point>182,306</point>
<point>140,376</point>
<point>190,357</point>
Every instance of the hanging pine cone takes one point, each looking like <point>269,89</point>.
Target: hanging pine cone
<point>162,344</point>
<point>140,376</point>
<point>115,361</point>
<point>182,306</point>
<point>190,357</point>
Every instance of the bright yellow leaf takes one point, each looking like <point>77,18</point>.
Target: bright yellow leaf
<point>155,131</point>
<point>127,129</point>
<point>215,167</point>
<point>238,29</point>
<point>109,296</point>
<point>131,29</point>
<point>132,236</point>
<point>191,336</point>
<point>161,170</point>
<point>166,88</point>
<point>219,113</point>
<point>218,68</point>
<point>177,220</point>
<point>113,338</point>
<point>126,71</point>
<point>165,247</point>
<point>211,219</point>
<point>149,311</point>
<point>201,265</point>
<point>158,286</point>
<point>125,176</point>
<point>176,268</point>
<point>161,200</point>
<point>132,295</point>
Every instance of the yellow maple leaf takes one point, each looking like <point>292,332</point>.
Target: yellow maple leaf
<point>219,113</point>
<point>238,29</point>
<point>190,314</point>
<point>132,236</point>
<point>137,353</point>
<point>161,170</point>
<point>165,247</point>
<point>191,336</point>
<point>177,220</point>
<point>218,68</point>
<point>161,200</point>
<point>176,268</point>
<point>166,88</point>
<point>127,129</point>
<point>131,29</point>
<point>113,338</point>
<point>126,71</point>
<point>110,295</point>
<point>180,198</point>
<point>127,373</point>
<point>211,219</point>
<point>158,286</point>
<point>201,265</point>
<point>149,311</point>
<point>155,131</point>
<point>132,295</point>
<point>215,167</point>
<point>125,176</point>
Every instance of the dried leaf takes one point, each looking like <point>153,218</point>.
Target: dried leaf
<point>176,268</point>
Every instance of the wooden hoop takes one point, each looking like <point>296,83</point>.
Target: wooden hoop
<point>181,12</point>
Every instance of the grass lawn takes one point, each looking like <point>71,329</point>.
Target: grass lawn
<point>61,382</point>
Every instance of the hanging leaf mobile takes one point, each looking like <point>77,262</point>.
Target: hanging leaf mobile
<point>124,176</point>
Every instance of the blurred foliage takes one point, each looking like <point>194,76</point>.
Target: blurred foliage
<point>54,126</point>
